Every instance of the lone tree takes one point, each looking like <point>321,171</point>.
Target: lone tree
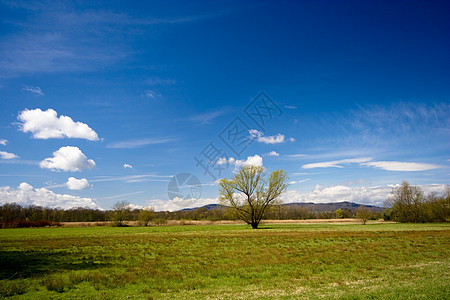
<point>250,194</point>
<point>364,214</point>
<point>121,213</point>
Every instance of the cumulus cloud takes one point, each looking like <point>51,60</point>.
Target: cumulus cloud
<point>35,90</point>
<point>179,203</point>
<point>7,155</point>
<point>401,166</point>
<point>273,153</point>
<point>25,195</point>
<point>127,166</point>
<point>366,161</point>
<point>224,161</point>
<point>3,142</point>
<point>254,160</point>
<point>67,159</point>
<point>274,139</point>
<point>371,195</point>
<point>77,184</point>
<point>46,124</point>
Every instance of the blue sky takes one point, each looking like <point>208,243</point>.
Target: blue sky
<point>107,101</point>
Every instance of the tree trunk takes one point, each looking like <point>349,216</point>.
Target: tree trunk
<point>254,225</point>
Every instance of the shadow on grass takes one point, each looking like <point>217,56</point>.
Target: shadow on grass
<point>20,264</point>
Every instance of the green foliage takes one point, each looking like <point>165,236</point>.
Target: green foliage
<point>145,216</point>
<point>250,194</point>
<point>339,213</point>
<point>364,214</point>
<point>121,213</point>
<point>409,204</point>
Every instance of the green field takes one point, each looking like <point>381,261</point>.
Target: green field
<point>393,261</point>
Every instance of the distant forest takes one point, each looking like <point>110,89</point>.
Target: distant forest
<point>293,211</point>
<point>407,204</point>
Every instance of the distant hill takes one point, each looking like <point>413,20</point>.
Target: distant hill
<point>318,207</point>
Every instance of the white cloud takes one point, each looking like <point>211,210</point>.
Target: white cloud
<point>67,159</point>
<point>132,206</point>
<point>127,166</point>
<point>47,124</point>
<point>7,155</point>
<point>274,139</point>
<point>371,195</point>
<point>3,142</point>
<point>179,203</point>
<point>26,194</point>
<point>208,117</point>
<point>254,160</point>
<point>296,155</point>
<point>151,94</point>
<point>401,166</point>
<point>366,161</point>
<point>299,181</point>
<point>273,153</point>
<point>290,107</point>
<point>139,143</point>
<point>336,163</point>
<point>224,160</point>
<point>77,184</point>
<point>35,90</point>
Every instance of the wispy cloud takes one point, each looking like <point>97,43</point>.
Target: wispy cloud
<point>157,81</point>
<point>299,181</point>
<point>35,90</point>
<point>367,161</point>
<point>123,195</point>
<point>296,155</point>
<point>401,166</point>
<point>127,166</point>
<point>336,163</point>
<point>208,117</point>
<point>133,178</point>
<point>3,142</point>
<point>151,94</point>
<point>63,38</point>
<point>130,144</point>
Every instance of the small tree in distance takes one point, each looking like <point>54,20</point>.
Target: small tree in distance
<point>145,216</point>
<point>363,213</point>
<point>121,213</point>
<point>250,194</point>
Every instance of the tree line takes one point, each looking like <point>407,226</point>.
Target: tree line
<point>407,203</point>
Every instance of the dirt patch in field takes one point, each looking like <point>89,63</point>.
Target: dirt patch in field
<point>223,222</point>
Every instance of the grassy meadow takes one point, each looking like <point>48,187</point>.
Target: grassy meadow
<point>278,261</point>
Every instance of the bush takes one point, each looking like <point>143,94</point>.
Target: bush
<point>28,224</point>
<point>160,221</point>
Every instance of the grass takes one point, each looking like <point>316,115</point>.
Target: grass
<point>279,261</point>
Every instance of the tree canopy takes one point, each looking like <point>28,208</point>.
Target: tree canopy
<point>251,194</point>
